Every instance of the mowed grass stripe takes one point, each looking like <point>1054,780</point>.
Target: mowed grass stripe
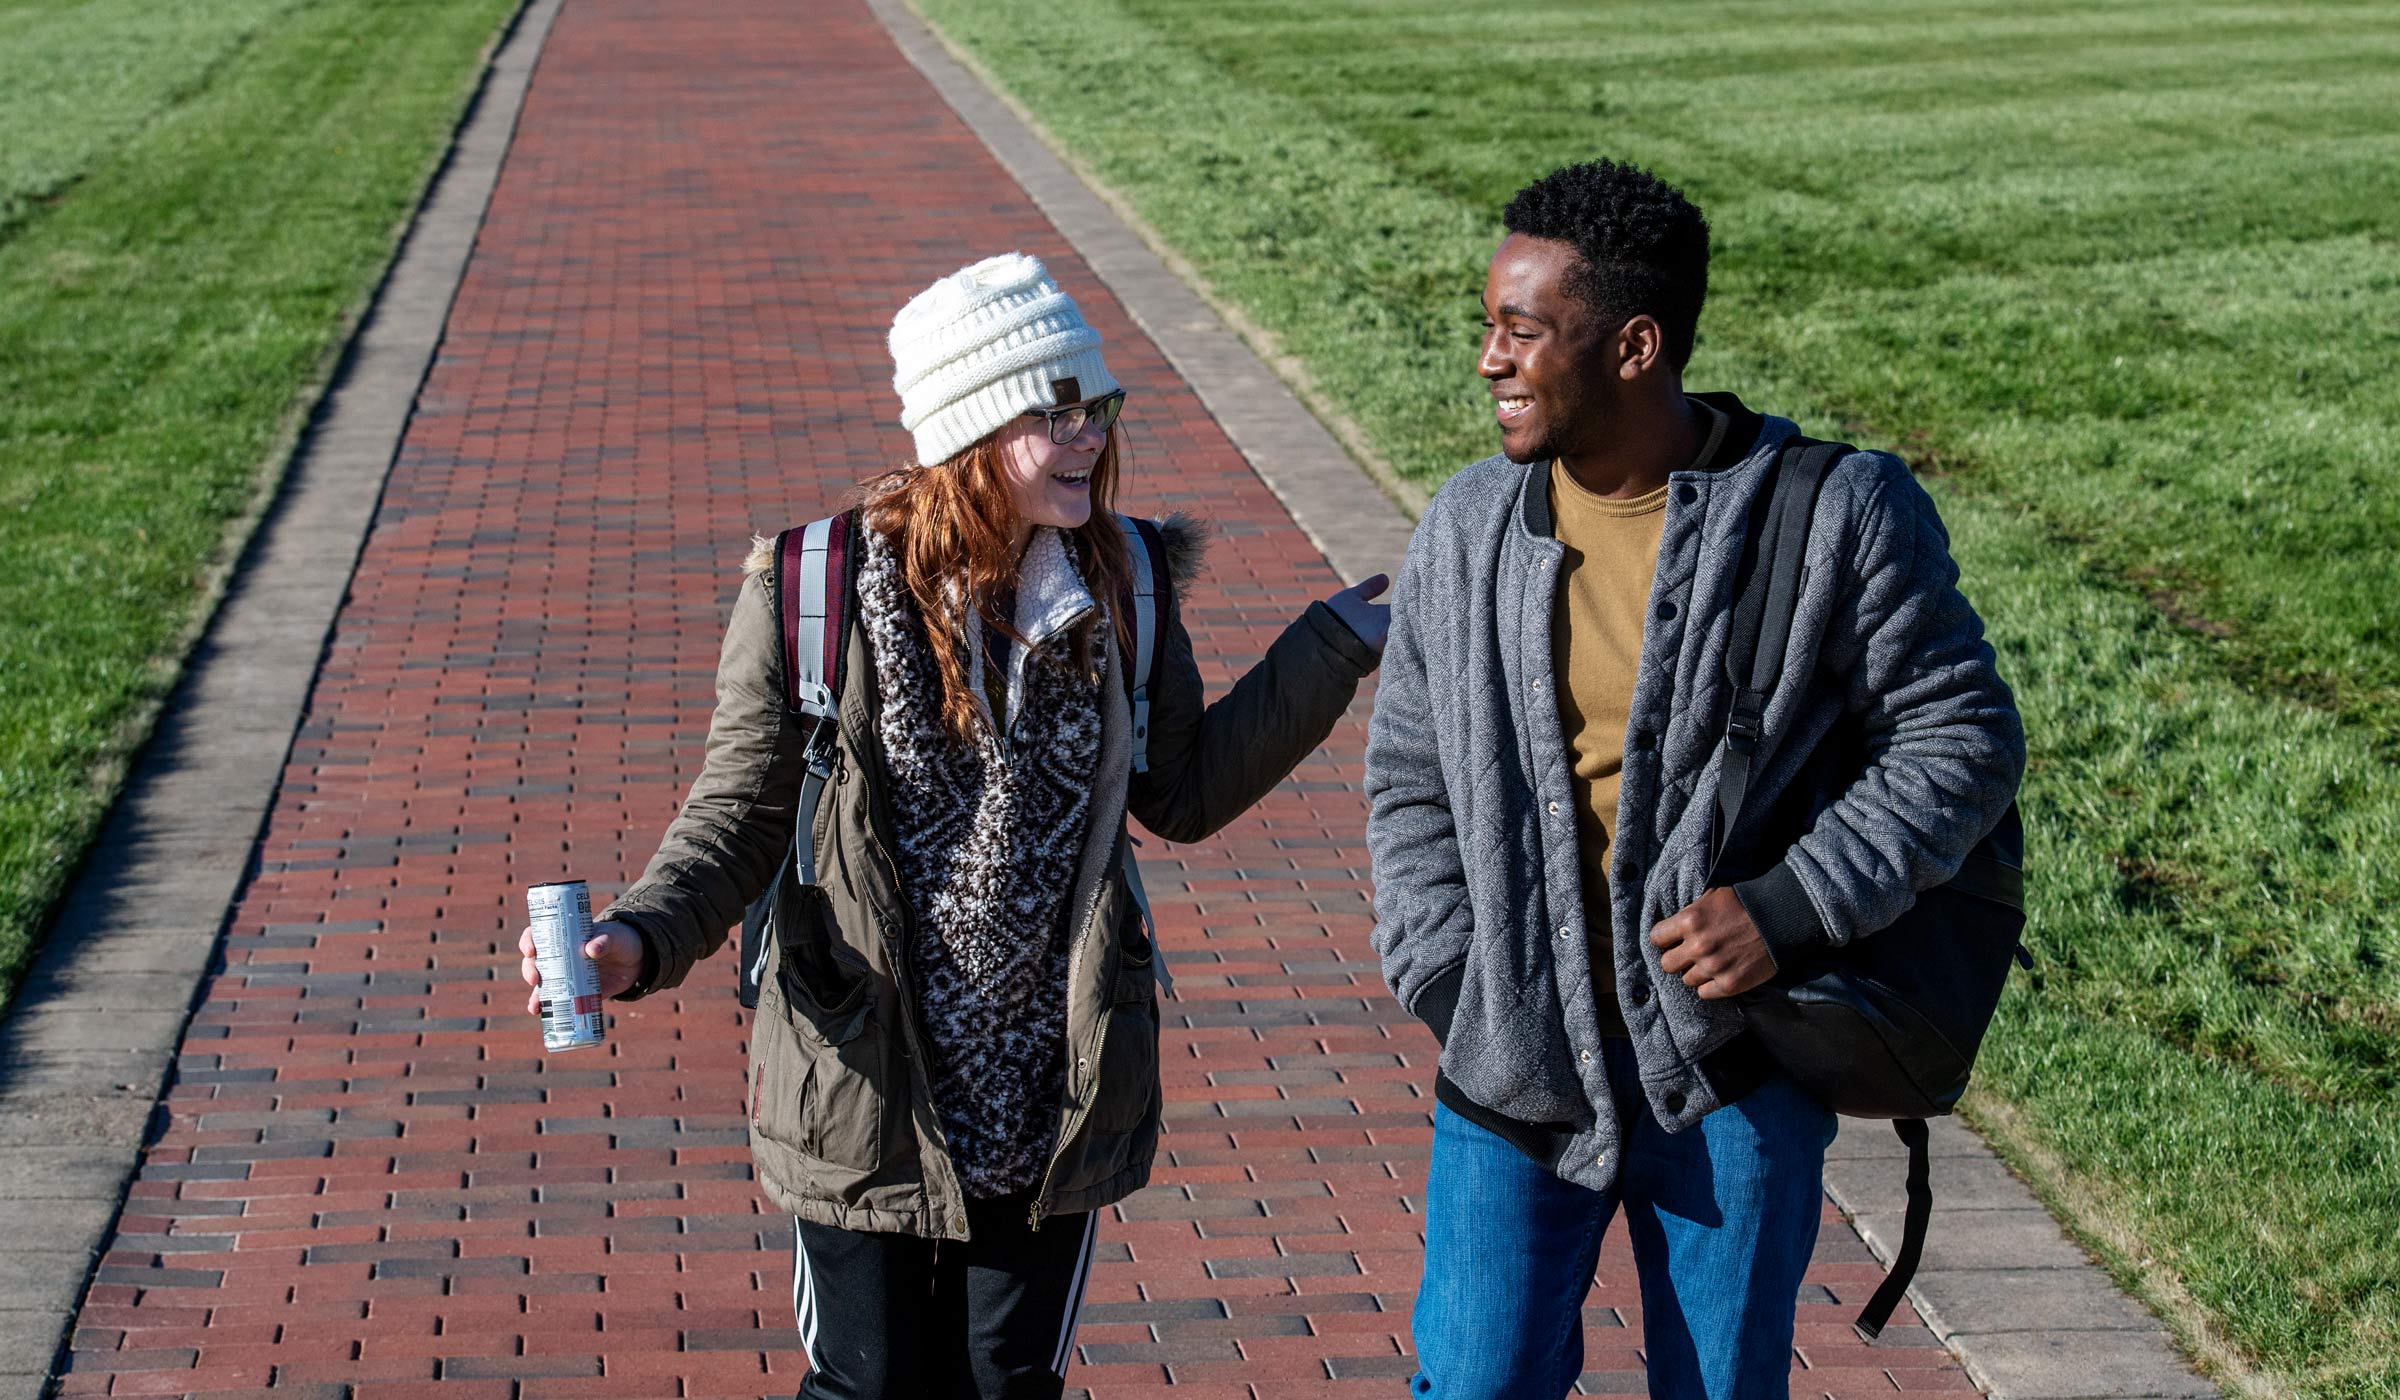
<point>82,76</point>
<point>2121,279</point>
<point>160,327</point>
<point>2129,408</point>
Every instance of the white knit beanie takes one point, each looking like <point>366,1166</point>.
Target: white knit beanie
<point>982,346</point>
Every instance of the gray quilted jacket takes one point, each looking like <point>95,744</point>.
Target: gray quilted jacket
<point>1472,817</point>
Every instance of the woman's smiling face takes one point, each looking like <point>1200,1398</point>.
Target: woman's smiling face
<point>1049,483</point>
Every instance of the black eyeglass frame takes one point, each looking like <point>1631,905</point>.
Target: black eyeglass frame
<point>1073,417</point>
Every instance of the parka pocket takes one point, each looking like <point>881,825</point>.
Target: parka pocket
<point>824,1089</point>
<point>825,985</point>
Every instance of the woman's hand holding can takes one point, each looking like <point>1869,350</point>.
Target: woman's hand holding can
<point>614,948</point>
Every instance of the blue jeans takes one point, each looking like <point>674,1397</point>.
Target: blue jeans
<point>1723,1217</point>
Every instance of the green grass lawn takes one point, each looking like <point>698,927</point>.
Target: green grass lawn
<point>2122,281</point>
<point>195,199</point>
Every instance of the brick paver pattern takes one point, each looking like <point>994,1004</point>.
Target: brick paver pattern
<point>371,1182</point>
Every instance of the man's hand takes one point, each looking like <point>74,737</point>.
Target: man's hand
<point>1711,944</point>
<point>1370,620</point>
<point>616,947</point>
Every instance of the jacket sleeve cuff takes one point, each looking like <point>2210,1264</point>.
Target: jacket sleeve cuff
<point>1339,639</point>
<point>1437,1001</point>
<point>1779,906</point>
<point>653,976</point>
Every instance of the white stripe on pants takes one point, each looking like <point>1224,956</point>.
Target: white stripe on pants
<point>1083,1273</point>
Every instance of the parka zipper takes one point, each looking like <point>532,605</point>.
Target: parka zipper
<point>1070,1116</point>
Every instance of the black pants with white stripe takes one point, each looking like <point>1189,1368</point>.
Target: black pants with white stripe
<point>895,1316</point>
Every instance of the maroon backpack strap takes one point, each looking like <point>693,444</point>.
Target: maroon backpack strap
<point>787,604</point>
<point>812,578</point>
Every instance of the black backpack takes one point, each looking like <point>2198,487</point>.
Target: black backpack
<point>1886,1026</point>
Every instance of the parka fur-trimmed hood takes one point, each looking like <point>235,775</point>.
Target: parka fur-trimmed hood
<point>1185,535</point>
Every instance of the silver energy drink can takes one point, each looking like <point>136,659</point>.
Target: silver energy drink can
<point>561,915</point>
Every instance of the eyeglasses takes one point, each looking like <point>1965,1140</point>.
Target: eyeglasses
<point>1066,424</point>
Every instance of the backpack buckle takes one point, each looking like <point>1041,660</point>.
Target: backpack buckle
<point>818,752</point>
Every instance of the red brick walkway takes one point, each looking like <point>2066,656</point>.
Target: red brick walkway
<point>370,1182</point>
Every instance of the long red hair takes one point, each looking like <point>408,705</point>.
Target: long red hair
<point>952,524</point>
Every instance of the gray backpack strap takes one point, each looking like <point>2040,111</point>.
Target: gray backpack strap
<point>1149,559</point>
<point>817,592</point>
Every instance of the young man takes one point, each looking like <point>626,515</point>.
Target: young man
<point>1544,742</point>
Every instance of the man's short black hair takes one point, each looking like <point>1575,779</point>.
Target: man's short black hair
<point>1644,246</point>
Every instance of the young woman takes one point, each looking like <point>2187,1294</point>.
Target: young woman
<point>954,1062</point>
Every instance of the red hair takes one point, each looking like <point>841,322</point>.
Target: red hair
<point>953,524</point>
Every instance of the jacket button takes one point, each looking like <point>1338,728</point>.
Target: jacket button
<point>1686,494</point>
<point>1674,1102</point>
<point>1641,996</point>
<point>1565,932</point>
<point>1666,610</point>
<point>958,1221</point>
<point>1554,809</point>
<point>1642,740</point>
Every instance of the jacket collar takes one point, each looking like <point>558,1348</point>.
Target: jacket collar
<point>1051,598</point>
<point>1734,446</point>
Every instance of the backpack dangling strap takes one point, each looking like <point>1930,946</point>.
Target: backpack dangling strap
<point>1148,551</point>
<point>1878,1310</point>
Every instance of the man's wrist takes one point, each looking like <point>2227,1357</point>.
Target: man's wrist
<point>1780,908</point>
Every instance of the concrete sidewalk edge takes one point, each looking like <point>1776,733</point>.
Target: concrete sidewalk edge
<point>2001,1284</point>
<point>86,1052</point>
<point>2013,1341</point>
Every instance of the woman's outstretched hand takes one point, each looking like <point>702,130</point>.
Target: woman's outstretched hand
<point>1370,620</point>
<point>615,947</point>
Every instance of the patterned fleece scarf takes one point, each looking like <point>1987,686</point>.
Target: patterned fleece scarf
<point>990,833</point>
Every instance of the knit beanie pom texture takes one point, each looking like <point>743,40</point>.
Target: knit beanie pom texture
<point>985,344</point>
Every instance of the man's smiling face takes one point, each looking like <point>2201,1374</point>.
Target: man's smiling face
<point>1544,352</point>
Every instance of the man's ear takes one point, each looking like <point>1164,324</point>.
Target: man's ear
<point>1641,346</point>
